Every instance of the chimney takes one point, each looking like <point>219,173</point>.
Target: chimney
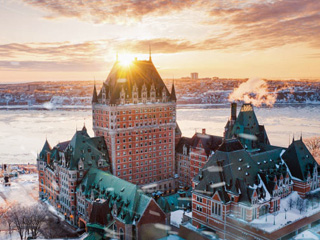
<point>233,111</point>
<point>203,131</point>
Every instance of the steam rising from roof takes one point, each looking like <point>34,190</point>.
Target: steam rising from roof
<point>254,91</point>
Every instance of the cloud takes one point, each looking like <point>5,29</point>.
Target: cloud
<point>51,66</point>
<point>242,24</point>
<point>90,55</point>
<point>114,11</point>
<point>266,24</point>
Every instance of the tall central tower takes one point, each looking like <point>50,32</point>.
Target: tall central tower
<point>136,115</point>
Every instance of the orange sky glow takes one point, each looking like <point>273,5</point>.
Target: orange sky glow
<point>43,40</point>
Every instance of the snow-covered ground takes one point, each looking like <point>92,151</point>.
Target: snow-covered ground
<point>307,235</point>
<point>176,217</point>
<point>23,190</point>
<point>270,222</point>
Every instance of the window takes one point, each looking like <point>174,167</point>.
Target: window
<point>199,208</point>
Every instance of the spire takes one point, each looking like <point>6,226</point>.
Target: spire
<point>95,96</point>
<point>150,53</point>
<point>84,129</point>
<point>173,93</point>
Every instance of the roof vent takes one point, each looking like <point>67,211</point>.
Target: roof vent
<point>240,159</point>
<point>248,166</point>
<point>239,168</point>
<point>259,163</point>
<point>247,174</point>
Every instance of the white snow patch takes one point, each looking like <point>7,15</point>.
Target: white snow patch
<point>176,218</point>
<point>306,235</point>
<point>270,223</point>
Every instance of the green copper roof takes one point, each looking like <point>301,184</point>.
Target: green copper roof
<point>237,171</point>
<point>299,160</point>
<point>45,149</point>
<point>246,125</point>
<point>89,150</point>
<point>131,202</point>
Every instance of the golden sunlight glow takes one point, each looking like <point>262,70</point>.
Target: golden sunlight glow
<point>125,59</point>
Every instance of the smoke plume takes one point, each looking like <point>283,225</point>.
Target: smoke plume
<point>254,91</point>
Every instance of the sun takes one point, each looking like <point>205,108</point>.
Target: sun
<point>125,59</point>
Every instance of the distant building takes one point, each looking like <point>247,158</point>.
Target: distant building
<point>194,75</point>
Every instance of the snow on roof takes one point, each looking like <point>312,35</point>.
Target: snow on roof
<point>176,218</point>
<point>267,198</point>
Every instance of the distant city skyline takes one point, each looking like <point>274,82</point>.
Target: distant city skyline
<point>54,40</point>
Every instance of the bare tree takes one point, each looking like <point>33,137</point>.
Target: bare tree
<point>290,203</point>
<point>300,204</point>
<point>313,144</point>
<point>27,220</point>
<point>16,215</point>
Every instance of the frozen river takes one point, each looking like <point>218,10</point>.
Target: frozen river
<point>23,132</point>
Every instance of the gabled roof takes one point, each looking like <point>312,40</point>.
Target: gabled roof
<point>209,142</point>
<point>139,74</point>
<point>299,160</point>
<point>184,141</point>
<point>131,202</point>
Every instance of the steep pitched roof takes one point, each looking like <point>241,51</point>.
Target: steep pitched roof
<point>45,149</point>
<point>173,94</point>
<point>90,150</point>
<point>246,127</point>
<point>139,74</point>
<point>178,130</point>
<point>230,146</point>
<point>94,95</point>
<point>131,202</point>
<point>209,142</point>
<point>299,160</point>
<point>236,171</point>
<point>184,141</point>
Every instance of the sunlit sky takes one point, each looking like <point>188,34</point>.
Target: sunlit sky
<point>79,39</point>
